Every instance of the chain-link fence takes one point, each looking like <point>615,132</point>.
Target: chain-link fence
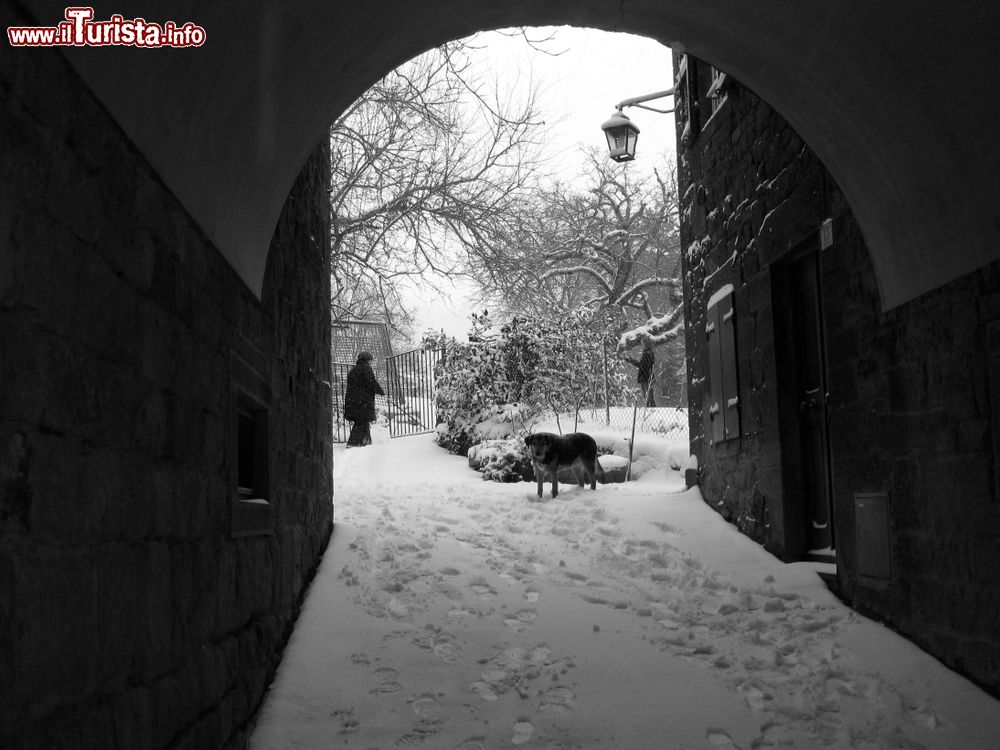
<point>670,422</point>
<point>613,402</point>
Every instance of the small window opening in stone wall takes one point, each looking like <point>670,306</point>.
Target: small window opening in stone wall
<point>717,89</point>
<point>686,99</point>
<point>251,451</point>
<point>702,90</point>
<point>252,506</point>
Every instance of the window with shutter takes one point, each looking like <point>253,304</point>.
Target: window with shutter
<point>701,92</point>
<point>724,401</point>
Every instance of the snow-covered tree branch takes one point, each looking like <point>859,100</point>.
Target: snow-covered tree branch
<point>611,247</point>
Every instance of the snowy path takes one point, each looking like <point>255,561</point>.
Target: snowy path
<point>455,614</point>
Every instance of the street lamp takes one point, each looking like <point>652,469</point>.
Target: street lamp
<point>621,133</point>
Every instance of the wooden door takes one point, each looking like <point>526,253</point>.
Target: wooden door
<point>810,365</point>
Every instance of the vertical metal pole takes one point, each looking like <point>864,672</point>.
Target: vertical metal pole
<point>388,392</point>
<point>607,388</point>
<point>593,398</point>
<point>417,377</point>
<point>429,390</point>
<point>425,391</point>
<point>631,442</point>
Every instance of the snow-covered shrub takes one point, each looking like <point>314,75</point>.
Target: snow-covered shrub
<point>504,460</point>
<point>506,375</point>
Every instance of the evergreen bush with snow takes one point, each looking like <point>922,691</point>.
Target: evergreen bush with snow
<point>506,376</point>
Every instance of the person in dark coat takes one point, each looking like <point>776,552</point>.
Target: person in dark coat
<point>646,375</point>
<point>359,400</point>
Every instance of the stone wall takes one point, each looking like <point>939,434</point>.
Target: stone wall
<point>912,399</point>
<point>130,614</point>
<point>749,192</point>
<point>913,391</point>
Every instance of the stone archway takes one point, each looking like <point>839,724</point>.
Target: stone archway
<point>229,124</point>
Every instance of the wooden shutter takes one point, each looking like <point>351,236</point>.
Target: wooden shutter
<point>723,417</point>
<point>730,383</point>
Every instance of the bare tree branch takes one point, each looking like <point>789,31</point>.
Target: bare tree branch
<point>428,169</point>
<point>612,246</point>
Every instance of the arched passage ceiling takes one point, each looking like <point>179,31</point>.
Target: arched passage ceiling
<point>898,98</point>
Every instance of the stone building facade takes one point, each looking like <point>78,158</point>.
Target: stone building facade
<point>827,427</point>
<point>165,436</point>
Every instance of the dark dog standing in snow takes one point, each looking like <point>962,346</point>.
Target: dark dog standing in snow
<point>550,452</point>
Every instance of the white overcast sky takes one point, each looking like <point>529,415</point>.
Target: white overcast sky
<point>579,89</point>
<point>581,86</point>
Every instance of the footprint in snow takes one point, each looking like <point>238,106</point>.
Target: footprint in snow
<point>387,680</point>
<point>925,716</point>
<point>410,739</point>
<point>720,738</point>
<point>483,689</point>
<point>666,528</point>
<point>522,732</point>
<point>426,706</point>
<point>521,620</point>
<point>558,700</point>
<point>446,589</point>
<point>442,644</point>
<point>348,724</point>
<point>458,614</point>
<point>448,651</point>
<point>754,697</point>
<point>482,589</point>
<point>520,570</point>
<point>517,657</point>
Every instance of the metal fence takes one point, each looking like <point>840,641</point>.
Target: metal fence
<point>408,405</point>
<point>670,422</point>
<point>338,382</point>
<point>411,392</point>
<point>615,399</point>
<point>408,408</point>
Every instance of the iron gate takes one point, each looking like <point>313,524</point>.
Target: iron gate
<point>338,383</point>
<point>410,391</point>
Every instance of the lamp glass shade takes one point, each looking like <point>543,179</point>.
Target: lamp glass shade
<point>622,136</point>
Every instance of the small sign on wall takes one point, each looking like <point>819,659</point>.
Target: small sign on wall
<point>826,234</point>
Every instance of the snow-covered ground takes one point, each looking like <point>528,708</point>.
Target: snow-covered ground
<point>456,614</point>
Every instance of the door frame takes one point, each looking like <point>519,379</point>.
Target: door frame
<point>797,514</point>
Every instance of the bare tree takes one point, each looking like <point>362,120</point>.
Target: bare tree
<point>612,247</point>
<point>429,169</point>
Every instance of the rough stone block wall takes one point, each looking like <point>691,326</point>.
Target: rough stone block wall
<point>129,615</point>
<point>748,190</point>
<point>911,412</point>
<point>914,406</point>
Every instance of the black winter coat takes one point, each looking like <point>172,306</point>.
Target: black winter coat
<point>359,398</point>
